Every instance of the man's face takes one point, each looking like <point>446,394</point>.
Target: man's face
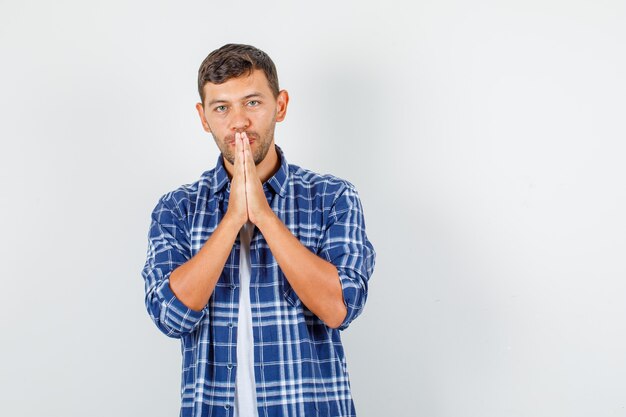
<point>243,104</point>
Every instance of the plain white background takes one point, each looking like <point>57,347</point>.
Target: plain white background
<point>486,140</point>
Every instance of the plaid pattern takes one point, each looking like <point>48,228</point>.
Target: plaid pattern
<point>300,367</point>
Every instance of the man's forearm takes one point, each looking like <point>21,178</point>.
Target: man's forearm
<point>194,281</point>
<point>315,280</point>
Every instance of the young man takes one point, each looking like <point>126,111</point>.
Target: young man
<point>256,266</point>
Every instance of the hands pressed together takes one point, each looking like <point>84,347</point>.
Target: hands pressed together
<point>247,200</point>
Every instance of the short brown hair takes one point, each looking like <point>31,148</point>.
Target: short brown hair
<point>233,60</point>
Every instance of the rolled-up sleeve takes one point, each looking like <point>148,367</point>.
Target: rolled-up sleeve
<point>345,245</point>
<point>168,248</point>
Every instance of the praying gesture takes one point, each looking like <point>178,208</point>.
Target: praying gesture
<point>247,200</point>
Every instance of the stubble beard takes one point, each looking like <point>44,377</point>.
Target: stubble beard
<point>262,145</point>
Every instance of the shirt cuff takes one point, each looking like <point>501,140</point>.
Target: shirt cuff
<point>174,313</point>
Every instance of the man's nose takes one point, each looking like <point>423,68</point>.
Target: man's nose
<point>239,120</point>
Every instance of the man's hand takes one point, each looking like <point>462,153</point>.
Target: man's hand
<point>258,208</point>
<point>237,205</point>
<point>247,200</point>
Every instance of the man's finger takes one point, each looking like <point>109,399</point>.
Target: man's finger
<point>247,153</point>
<point>239,169</point>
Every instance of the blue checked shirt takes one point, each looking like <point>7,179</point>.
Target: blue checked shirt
<point>299,363</point>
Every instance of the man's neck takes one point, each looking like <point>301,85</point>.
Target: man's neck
<point>265,170</point>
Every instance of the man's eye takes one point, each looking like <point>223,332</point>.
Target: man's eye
<point>220,109</point>
<point>253,103</point>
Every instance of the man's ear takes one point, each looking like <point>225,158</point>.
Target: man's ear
<point>281,102</point>
<point>205,124</point>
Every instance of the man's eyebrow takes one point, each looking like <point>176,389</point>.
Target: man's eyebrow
<point>254,94</point>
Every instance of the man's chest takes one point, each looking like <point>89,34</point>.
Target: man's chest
<point>304,217</point>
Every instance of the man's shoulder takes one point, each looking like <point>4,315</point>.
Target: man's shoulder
<point>183,199</point>
<point>326,183</point>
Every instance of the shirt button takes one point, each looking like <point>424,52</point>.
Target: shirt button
<point>227,406</point>
<point>229,366</point>
<point>233,286</point>
<point>230,325</point>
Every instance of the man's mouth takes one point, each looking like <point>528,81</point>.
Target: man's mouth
<point>251,137</point>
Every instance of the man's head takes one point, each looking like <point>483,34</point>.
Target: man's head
<point>238,88</point>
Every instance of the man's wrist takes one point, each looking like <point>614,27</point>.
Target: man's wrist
<point>230,223</point>
<point>265,220</point>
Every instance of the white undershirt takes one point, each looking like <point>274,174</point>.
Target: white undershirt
<point>245,390</point>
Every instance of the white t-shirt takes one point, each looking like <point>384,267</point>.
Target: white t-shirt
<point>245,388</point>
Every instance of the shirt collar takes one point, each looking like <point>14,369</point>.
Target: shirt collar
<point>277,182</point>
